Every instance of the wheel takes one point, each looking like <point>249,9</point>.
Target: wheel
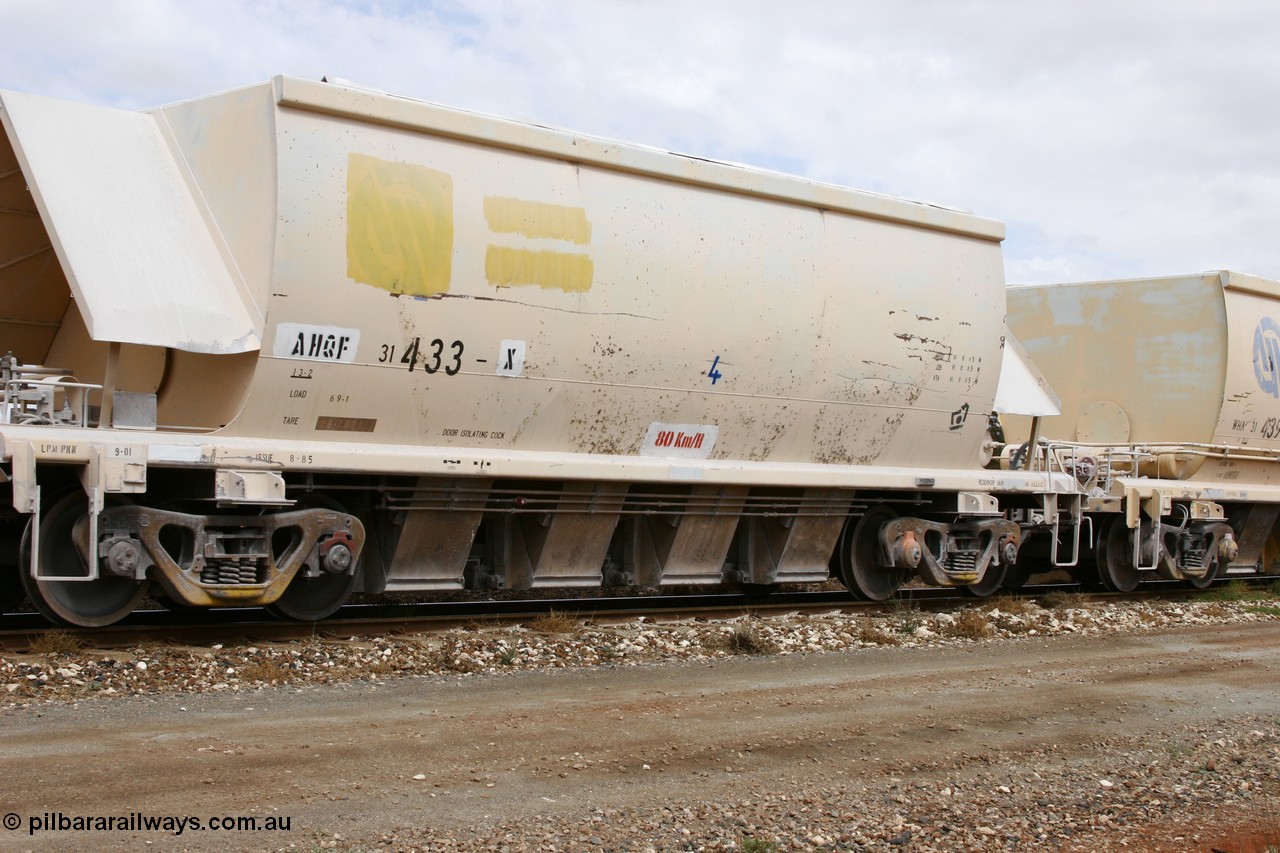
<point>1115,559</point>
<point>312,599</point>
<point>1087,576</point>
<point>1206,580</point>
<point>1016,576</point>
<point>84,604</point>
<point>860,561</point>
<point>993,580</point>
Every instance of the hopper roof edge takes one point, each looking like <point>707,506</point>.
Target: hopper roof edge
<point>348,101</point>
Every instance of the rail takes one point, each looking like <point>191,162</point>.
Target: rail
<point>18,631</point>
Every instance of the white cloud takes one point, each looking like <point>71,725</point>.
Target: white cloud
<point>1116,139</point>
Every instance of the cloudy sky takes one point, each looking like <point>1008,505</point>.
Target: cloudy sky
<point>1119,138</point>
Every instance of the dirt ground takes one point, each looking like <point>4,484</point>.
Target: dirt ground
<point>373,766</point>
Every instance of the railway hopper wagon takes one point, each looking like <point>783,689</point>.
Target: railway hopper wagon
<point>1170,396</point>
<point>300,339</point>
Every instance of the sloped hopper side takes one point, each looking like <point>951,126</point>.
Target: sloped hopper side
<point>35,292</point>
<point>106,253</point>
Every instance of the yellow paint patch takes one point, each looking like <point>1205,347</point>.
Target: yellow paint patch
<point>537,219</point>
<point>565,271</point>
<point>399,226</point>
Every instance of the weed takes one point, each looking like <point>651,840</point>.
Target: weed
<point>55,643</point>
<point>907,615</point>
<point>449,659</point>
<point>759,845</point>
<point>1062,600</point>
<point>508,657</point>
<point>267,672</point>
<point>1216,610</point>
<point>870,632</point>
<point>1264,609</point>
<point>969,625</point>
<point>1012,605</point>
<point>746,638</point>
<point>554,622</point>
<point>381,666</point>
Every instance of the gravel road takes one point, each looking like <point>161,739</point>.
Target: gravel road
<point>1138,735</point>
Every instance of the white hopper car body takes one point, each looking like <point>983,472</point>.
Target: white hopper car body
<point>292,341</point>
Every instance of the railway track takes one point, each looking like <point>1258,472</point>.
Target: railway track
<point>18,631</point>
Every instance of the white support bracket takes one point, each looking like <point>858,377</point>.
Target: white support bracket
<point>26,491</point>
<point>1156,506</point>
<point>1075,506</point>
<point>95,507</point>
<point>91,478</point>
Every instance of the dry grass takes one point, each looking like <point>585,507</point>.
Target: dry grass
<point>746,638</point>
<point>970,625</point>
<point>1012,605</point>
<point>1062,600</point>
<point>554,622</point>
<point>871,632</point>
<point>55,643</point>
<point>381,666</point>
<point>906,614</point>
<point>266,671</point>
<point>484,624</point>
<point>451,660</point>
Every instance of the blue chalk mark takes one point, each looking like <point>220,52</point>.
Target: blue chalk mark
<point>713,373</point>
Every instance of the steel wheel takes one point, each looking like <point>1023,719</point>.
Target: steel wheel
<point>993,580</point>
<point>861,566</point>
<point>1206,580</point>
<point>84,604</point>
<point>1016,576</point>
<point>312,599</point>
<point>1115,558</point>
